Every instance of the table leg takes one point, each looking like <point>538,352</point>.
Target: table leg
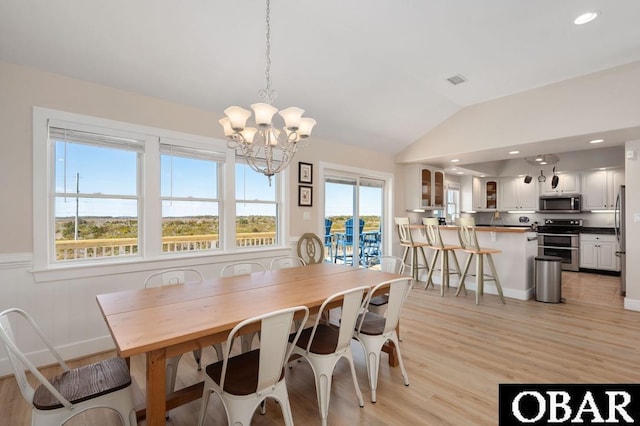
<point>156,376</point>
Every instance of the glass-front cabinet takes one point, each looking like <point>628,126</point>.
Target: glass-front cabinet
<point>491,194</point>
<point>424,187</point>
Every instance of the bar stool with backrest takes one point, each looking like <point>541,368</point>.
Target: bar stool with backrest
<point>442,250</point>
<point>469,242</point>
<point>406,241</point>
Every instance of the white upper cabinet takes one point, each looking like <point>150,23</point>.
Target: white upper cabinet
<point>515,194</point>
<point>568,183</point>
<point>600,188</point>
<point>424,187</point>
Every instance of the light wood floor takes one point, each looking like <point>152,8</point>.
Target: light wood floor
<point>456,354</point>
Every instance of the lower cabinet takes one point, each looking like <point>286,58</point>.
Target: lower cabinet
<point>599,252</point>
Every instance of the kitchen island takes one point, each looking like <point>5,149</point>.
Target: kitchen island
<point>515,265</point>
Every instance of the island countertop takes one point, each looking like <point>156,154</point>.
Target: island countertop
<point>481,228</point>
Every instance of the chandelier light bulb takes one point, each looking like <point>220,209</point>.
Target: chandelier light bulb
<point>306,125</point>
<point>238,117</point>
<point>292,116</point>
<point>248,134</point>
<point>263,113</point>
<point>226,126</point>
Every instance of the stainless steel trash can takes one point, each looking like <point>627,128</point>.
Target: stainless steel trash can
<point>548,279</point>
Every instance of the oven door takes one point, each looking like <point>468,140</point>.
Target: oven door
<point>564,246</point>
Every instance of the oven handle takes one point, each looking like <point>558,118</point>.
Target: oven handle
<point>557,235</point>
<point>559,248</point>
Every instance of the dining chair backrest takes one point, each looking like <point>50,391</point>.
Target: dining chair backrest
<point>392,264</point>
<point>467,233</point>
<point>241,268</point>
<point>351,305</point>
<point>173,276</point>
<point>286,262</point>
<point>398,290</point>
<point>310,248</point>
<point>432,231</point>
<point>275,329</point>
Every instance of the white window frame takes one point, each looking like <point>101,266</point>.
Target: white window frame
<point>150,220</point>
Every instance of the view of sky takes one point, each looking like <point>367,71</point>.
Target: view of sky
<point>110,171</point>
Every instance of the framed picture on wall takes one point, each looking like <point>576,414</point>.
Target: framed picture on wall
<point>305,172</point>
<point>305,196</point>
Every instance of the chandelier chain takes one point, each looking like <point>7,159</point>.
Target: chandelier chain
<point>267,93</point>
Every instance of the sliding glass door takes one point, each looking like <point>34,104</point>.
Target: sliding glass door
<point>354,208</point>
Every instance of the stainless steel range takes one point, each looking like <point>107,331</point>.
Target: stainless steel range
<point>561,238</point>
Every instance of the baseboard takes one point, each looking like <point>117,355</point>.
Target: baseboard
<point>631,304</point>
<point>74,350</point>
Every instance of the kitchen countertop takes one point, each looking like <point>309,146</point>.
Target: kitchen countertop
<point>483,228</point>
<point>598,230</point>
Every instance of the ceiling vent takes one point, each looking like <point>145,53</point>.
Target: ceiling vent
<point>456,79</point>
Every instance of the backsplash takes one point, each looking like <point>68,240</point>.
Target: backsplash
<point>604,220</point>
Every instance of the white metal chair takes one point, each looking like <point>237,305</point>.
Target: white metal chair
<point>105,384</point>
<point>323,345</point>
<point>442,250</point>
<point>244,381</point>
<point>286,262</point>
<point>393,264</point>
<point>241,268</point>
<point>469,242</point>
<point>374,330</point>
<point>172,277</point>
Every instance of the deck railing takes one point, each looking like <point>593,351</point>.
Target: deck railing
<point>112,247</point>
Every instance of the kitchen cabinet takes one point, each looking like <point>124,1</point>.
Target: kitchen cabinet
<point>568,183</point>
<point>491,194</point>
<point>424,187</point>
<point>599,252</point>
<point>478,194</point>
<point>600,189</point>
<point>517,195</point>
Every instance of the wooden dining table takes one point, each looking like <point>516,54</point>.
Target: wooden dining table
<point>162,322</point>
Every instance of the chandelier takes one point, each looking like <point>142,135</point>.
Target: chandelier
<point>267,149</point>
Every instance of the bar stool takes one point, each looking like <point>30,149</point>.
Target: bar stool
<point>442,250</point>
<point>406,241</point>
<point>469,242</point>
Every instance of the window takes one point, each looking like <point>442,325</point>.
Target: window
<point>96,195</point>
<point>453,204</point>
<point>256,208</point>
<point>107,191</point>
<point>189,182</point>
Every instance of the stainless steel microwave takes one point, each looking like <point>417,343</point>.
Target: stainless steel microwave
<point>561,203</point>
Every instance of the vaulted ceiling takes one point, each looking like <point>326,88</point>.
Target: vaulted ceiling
<point>373,73</point>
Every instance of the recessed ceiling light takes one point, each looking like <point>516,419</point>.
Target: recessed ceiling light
<point>453,169</point>
<point>514,152</point>
<point>543,162</point>
<point>585,18</point>
<point>460,173</point>
<point>483,175</point>
<point>597,141</point>
<point>602,168</point>
<point>455,160</point>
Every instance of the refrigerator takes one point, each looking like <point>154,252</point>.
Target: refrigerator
<point>619,224</point>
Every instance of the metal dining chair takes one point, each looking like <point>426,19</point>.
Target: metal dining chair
<point>286,262</point>
<point>172,277</point>
<point>104,384</point>
<point>241,268</point>
<point>323,345</point>
<point>373,330</point>
<point>244,381</point>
